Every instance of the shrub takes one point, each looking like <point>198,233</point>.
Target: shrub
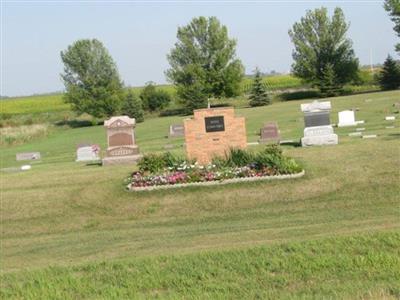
<point>153,99</point>
<point>239,157</point>
<point>151,163</point>
<point>132,107</point>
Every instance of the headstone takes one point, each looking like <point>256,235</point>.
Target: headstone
<point>360,122</point>
<point>269,133</point>
<point>212,132</point>
<point>358,133</point>
<point>318,129</point>
<point>389,127</point>
<point>360,129</point>
<point>176,130</point>
<point>286,142</point>
<point>346,118</point>
<point>121,141</point>
<point>25,167</point>
<point>28,156</point>
<point>88,153</point>
<point>253,144</point>
<point>369,136</point>
<point>168,146</point>
<point>390,118</point>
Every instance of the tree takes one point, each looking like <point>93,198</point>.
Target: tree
<point>132,107</point>
<point>393,7</point>
<point>389,77</point>
<point>258,94</point>
<point>321,48</point>
<point>91,79</point>
<point>154,99</point>
<point>328,82</point>
<point>203,63</point>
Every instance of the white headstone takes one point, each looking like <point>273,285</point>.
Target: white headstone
<point>346,118</point>
<point>358,133</point>
<point>390,118</point>
<point>88,153</point>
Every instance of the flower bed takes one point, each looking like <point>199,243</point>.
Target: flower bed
<point>166,170</point>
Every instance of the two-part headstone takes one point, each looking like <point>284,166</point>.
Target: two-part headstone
<point>269,133</point>
<point>122,148</point>
<point>318,129</point>
<point>176,130</point>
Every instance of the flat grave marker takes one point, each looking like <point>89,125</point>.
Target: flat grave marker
<point>346,118</point>
<point>28,156</point>
<point>390,118</point>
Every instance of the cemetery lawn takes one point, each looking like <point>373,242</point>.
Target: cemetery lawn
<point>71,231</point>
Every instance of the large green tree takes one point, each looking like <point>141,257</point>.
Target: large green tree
<point>203,63</point>
<point>91,79</point>
<point>393,7</point>
<point>322,52</point>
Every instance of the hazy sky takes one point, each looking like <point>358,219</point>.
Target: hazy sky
<point>139,35</point>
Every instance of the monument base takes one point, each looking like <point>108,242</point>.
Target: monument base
<point>330,139</point>
<point>121,160</point>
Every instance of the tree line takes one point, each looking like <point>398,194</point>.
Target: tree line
<point>204,65</point>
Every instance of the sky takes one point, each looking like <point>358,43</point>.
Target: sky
<point>139,35</point>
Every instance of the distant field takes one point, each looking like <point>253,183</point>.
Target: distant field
<point>33,104</point>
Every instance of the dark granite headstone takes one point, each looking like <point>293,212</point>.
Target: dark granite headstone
<point>269,133</point>
<point>312,119</point>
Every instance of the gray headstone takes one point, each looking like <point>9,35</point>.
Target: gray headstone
<point>269,133</point>
<point>369,136</point>
<point>176,130</point>
<point>28,156</point>
<point>358,133</point>
<point>312,119</point>
<point>88,153</point>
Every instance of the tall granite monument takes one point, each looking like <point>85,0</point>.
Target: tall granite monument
<point>318,129</point>
<point>212,132</point>
<point>122,148</point>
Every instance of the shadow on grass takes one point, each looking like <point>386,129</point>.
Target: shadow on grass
<point>298,95</point>
<point>76,123</point>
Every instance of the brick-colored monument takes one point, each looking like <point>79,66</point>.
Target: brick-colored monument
<point>212,131</point>
<point>121,141</point>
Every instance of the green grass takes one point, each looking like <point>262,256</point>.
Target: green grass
<point>341,219</point>
<point>364,266</point>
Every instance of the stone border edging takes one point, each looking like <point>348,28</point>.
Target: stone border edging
<point>216,182</point>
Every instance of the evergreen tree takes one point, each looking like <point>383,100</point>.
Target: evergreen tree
<point>328,85</point>
<point>132,107</point>
<point>389,77</point>
<point>258,94</point>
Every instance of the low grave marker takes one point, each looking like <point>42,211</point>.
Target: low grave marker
<point>28,156</point>
<point>269,133</point>
<point>346,118</point>
<point>87,153</point>
<point>390,118</point>
<point>176,130</point>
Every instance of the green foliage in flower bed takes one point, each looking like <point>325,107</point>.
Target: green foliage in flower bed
<point>167,169</point>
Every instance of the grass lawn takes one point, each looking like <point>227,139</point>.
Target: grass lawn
<point>71,231</point>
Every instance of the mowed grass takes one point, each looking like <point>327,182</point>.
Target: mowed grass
<point>366,266</point>
<point>341,219</point>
